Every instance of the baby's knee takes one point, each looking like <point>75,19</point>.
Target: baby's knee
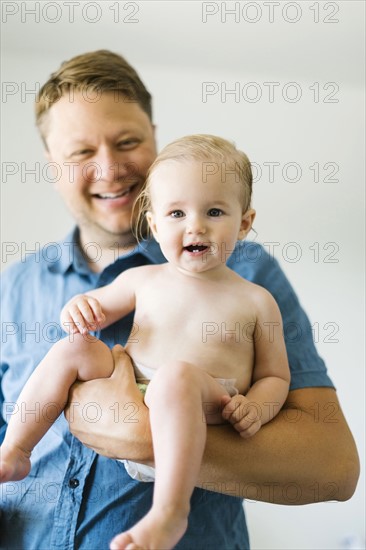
<point>176,378</point>
<point>176,374</point>
<point>74,345</point>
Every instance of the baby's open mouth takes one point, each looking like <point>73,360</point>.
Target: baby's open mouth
<point>196,248</point>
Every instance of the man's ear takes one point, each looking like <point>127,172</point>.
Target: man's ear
<point>246,223</point>
<point>154,127</point>
<point>48,156</point>
<point>152,225</point>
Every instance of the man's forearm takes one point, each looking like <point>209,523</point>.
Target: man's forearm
<point>305,454</point>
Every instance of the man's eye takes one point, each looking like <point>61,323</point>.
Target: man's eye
<point>176,214</point>
<point>127,143</point>
<point>82,152</point>
<point>215,212</point>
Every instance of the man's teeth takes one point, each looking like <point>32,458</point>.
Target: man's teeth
<point>114,195</point>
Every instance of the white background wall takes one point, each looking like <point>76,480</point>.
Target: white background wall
<point>292,48</point>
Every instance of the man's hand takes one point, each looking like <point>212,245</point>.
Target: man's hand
<point>109,415</point>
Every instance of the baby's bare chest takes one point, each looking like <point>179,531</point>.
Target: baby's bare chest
<point>216,317</point>
<point>212,328</point>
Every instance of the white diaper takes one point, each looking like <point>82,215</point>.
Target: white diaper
<point>229,385</point>
<point>141,472</point>
<point>142,372</point>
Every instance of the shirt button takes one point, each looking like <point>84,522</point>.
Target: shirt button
<point>73,483</point>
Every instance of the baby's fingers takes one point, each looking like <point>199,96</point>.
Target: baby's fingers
<point>95,308</point>
<point>82,313</point>
<point>235,409</point>
<point>244,415</point>
<point>247,427</point>
<point>68,323</point>
<point>83,324</point>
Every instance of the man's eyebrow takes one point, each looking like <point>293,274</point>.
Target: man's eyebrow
<point>78,140</point>
<point>124,132</point>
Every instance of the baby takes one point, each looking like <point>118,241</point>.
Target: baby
<point>209,349</point>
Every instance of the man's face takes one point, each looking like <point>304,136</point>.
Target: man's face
<point>103,150</point>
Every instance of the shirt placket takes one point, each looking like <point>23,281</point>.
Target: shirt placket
<point>68,506</point>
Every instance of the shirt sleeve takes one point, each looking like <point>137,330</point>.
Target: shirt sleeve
<point>7,326</point>
<point>308,369</point>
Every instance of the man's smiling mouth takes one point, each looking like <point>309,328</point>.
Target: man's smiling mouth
<point>118,195</point>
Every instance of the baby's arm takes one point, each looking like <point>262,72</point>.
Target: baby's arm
<point>103,306</point>
<point>271,373</point>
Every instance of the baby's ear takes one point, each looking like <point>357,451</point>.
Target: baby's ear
<point>246,223</point>
<point>151,221</point>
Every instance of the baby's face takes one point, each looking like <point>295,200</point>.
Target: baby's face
<point>196,216</point>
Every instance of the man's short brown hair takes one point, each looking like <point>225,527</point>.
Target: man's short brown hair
<point>92,73</point>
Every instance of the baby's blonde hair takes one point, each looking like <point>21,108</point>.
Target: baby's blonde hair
<point>215,153</point>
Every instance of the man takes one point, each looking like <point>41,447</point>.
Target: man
<point>94,115</point>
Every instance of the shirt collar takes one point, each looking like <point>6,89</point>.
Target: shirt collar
<point>70,256</point>
<point>151,250</point>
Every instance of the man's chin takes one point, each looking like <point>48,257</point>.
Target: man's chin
<point>110,235</point>
<point>120,235</point>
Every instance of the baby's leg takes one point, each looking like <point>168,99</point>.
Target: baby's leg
<point>176,398</point>
<point>45,395</point>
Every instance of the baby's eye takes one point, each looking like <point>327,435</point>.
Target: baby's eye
<point>176,214</point>
<point>215,212</point>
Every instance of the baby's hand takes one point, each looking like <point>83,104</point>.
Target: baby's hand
<point>243,414</point>
<point>82,314</point>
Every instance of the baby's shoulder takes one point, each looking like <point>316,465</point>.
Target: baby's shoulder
<point>147,273</point>
<point>258,295</point>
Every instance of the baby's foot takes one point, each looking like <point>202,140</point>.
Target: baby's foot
<point>155,530</point>
<point>14,464</point>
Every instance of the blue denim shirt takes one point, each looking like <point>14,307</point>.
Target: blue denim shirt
<point>74,498</point>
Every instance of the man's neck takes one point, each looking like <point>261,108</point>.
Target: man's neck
<point>100,254</point>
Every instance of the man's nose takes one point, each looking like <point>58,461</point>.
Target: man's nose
<point>113,166</point>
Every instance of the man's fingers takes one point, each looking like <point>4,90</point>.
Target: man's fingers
<point>123,367</point>
<point>120,356</point>
<point>117,350</point>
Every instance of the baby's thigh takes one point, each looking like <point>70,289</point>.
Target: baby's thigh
<point>189,385</point>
